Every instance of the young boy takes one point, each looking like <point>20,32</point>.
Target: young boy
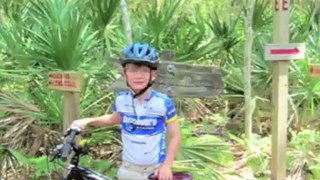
<point>145,116</point>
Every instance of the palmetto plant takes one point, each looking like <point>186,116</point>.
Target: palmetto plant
<point>306,19</point>
<point>159,20</point>
<point>195,150</point>
<point>303,157</point>
<point>66,37</point>
<point>100,12</point>
<point>262,16</point>
<point>304,93</point>
<point>21,129</point>
<point>10,166</point>
<point>13,9</point>
<point>225,33</point>
<point>55,34</point>
<point>190,39</point>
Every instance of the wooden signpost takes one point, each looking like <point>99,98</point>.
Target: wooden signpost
<point>182,80</point>
<point>71,84</point>
<point>280,53</point>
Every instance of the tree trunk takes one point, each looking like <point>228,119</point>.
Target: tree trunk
<point>247,70</point>
<point>158,3</point>
<point>126,21</point>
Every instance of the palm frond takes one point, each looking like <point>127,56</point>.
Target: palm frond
<point>55,34</point>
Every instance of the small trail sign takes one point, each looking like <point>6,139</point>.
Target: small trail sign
<point>285,51</point>
<point>66,81</point>
<point>314,70</point>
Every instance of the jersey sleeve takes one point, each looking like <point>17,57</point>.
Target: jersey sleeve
<point>114,105</point>
<point>171,114</point>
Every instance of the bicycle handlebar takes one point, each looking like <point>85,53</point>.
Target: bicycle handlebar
<point>70,142</point>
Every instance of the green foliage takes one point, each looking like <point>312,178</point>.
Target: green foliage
<point>158,20</point>
<point>205,152</point>
<point>224,30</point>
<point>100,12</point>
<point>315,169</point>
<point>306,90</point>
<point>190,40</point>
<point>12,9</point>
<point>20,157</point>
<point>54,33</point>
<point>99,165</point>
<point>40,165</point>
<point>304,153</point>
<point>258,154</point>
<point>59,33</point>
<point>8,160</point>
<point>47,100</point>
<point>262,16</point>
<point>99,136</point>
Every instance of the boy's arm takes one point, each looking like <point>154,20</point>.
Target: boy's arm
<point>109,119</point>
<point>105,120</point>
<point>174,142</point>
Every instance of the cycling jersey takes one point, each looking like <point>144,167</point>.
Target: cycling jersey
<point>143,126</point>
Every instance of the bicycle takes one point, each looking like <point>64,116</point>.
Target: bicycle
<point>77,172</point>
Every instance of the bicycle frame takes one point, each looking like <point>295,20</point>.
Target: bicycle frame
<point>82,173</point>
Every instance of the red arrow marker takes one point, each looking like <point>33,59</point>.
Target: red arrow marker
<point>285,51</point>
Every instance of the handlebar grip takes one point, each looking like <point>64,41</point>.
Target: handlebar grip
<point>67,147</point>
<point>65,152</point>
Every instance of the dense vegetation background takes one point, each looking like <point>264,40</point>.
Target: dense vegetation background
<point>38,36</point>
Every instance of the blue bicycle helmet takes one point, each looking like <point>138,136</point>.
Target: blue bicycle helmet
<point>140,53</point>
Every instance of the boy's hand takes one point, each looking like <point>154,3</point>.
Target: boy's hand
<point>164,173</point>
<point>81,123</point>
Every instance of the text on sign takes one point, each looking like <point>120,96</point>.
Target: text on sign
<point>281,4</point>
<point>65,81</point>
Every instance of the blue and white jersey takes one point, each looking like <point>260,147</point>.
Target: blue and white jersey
<point>143,126</point>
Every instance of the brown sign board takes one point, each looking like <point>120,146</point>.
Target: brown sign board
<point>66,81</point>
<point>314,70</point>
<point>183,80</point>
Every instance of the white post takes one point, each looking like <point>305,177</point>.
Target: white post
<point>280,92</point>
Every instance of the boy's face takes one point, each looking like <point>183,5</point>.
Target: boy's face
<point>138,76</point>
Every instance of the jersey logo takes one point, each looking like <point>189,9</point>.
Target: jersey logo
<point>140,122</point>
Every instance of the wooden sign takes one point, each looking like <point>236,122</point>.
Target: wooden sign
<point>285,51</point>
<point>183,80</point>
<point>314,70</point>
<point>66,81</point>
